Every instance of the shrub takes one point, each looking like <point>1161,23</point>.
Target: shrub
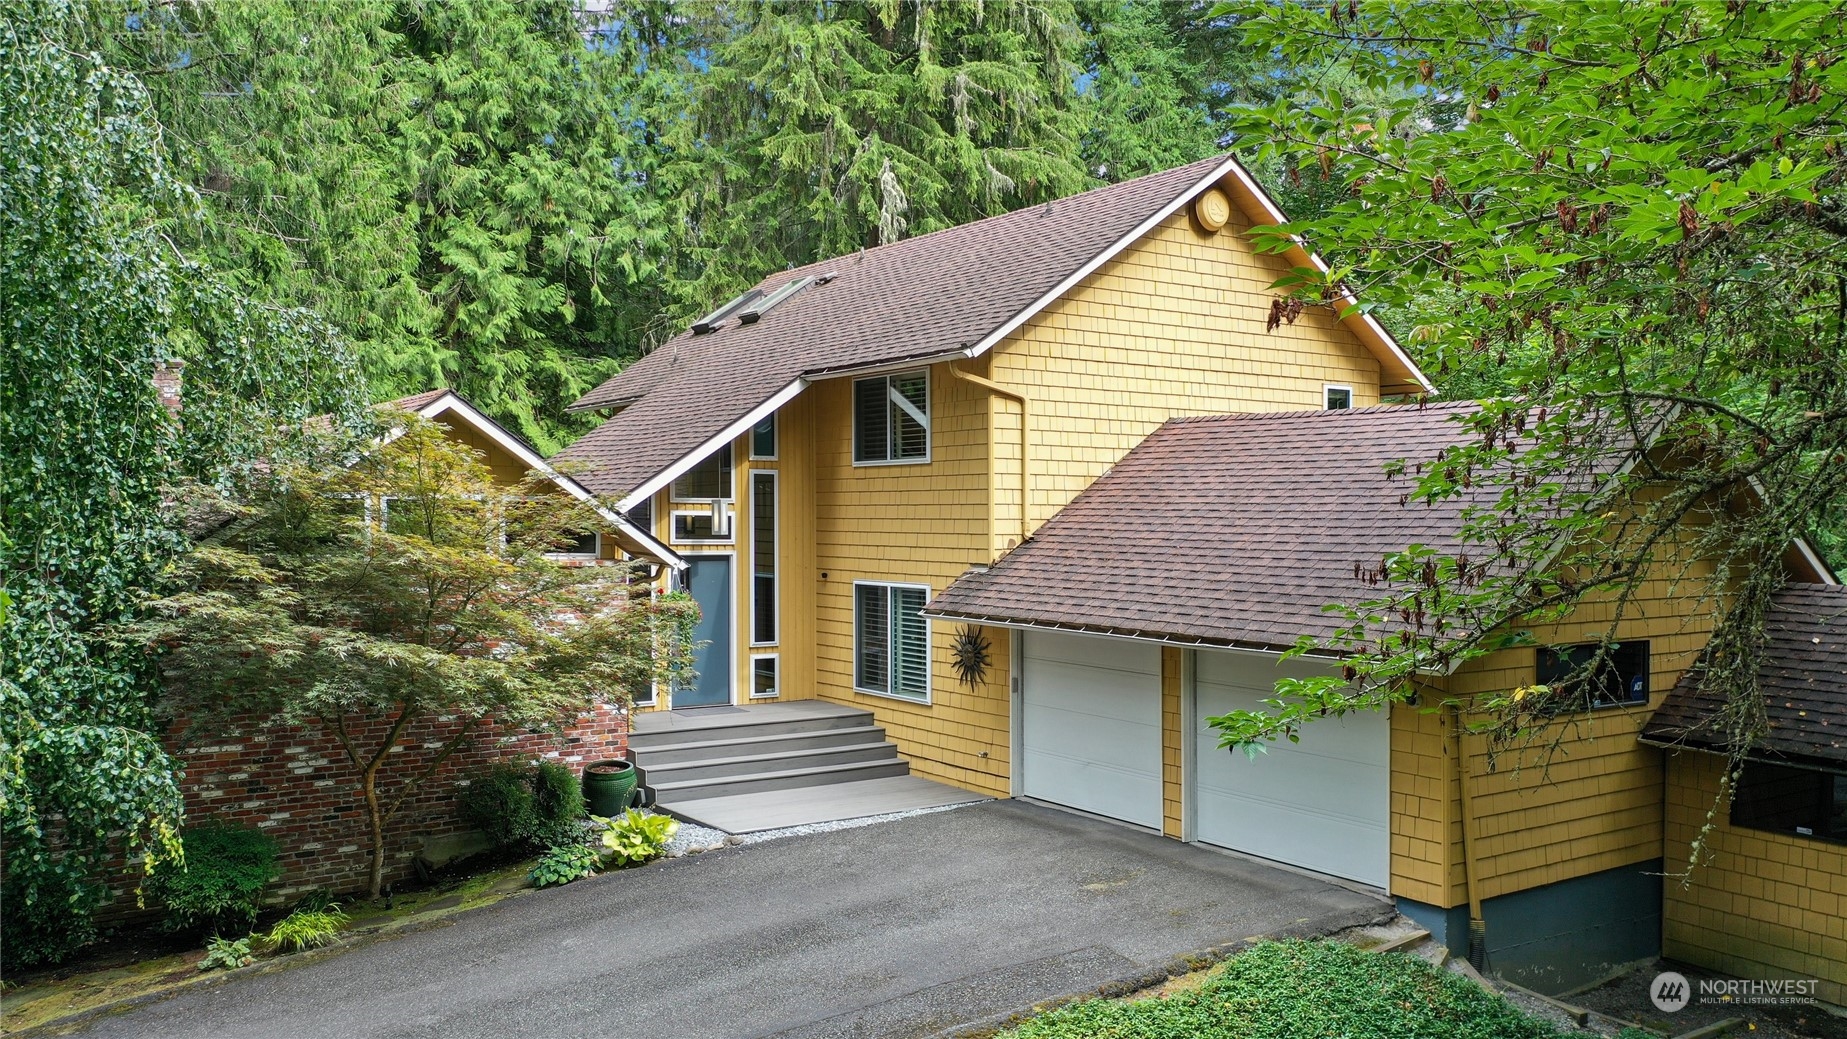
<point>307,928</point>
<point>220,885</point>
<point>533,805</point>
<point>558,799</point>
<point>1282,990</point>
<point>564,863</point>
<point>226,953</point>
<point>634,837</point>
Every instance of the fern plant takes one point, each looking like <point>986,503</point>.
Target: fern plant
<point>635,837</point>
<point>563,863</point>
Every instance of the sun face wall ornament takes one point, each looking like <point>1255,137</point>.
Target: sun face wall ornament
<point>968,654</point>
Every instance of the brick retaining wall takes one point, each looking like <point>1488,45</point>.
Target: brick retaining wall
<point>297,786</point>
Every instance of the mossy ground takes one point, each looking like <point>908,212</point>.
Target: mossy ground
<point>102,979</point>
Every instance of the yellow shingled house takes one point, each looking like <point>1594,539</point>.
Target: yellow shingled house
<point>886,476</point>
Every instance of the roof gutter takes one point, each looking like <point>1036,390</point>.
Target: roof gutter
<point>1118,633</point>
<point>1025,455</point>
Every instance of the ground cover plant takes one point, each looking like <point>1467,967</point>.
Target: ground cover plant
<point>561,864</point>
<point>1301,990</point>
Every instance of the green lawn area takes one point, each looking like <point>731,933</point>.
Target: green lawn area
<point>1303,990</point>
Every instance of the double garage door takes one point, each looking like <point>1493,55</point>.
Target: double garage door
<point>1091,740</point>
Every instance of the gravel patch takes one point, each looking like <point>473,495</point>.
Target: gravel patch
<point>694,838</point>
<point>843,824</point>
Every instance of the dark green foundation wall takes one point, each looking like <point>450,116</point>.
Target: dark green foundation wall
<point>1555,938</point>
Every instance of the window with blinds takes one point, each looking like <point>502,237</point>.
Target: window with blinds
<point>891,641</point>
<point>891,418</point>
<point>762,558</point>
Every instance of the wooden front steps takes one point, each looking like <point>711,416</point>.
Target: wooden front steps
<point>764,767</point>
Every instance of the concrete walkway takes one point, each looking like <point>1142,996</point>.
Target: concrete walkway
<point>898,929</point>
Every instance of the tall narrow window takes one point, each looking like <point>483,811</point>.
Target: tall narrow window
<point>891,641</point>
<point>763,558</point>
<point>763,438</point>
<point>891,418</point>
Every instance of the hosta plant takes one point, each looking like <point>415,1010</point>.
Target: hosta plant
<point>635,837</point>
<point>564,863</point>
<point>226,954</point>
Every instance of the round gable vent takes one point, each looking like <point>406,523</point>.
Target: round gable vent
<point>1212,209</point>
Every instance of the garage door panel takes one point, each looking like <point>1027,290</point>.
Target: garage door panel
<point>1322,804</point>
<point>1091,786</point>
<point>1110,654</point>
<point>1091,725</point>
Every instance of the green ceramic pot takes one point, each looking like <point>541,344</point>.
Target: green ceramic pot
<point>609,787</point>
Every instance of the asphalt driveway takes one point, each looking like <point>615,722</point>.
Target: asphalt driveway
<point>899,929</point>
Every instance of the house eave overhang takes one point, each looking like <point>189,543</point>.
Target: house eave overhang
<point>632,538</point>
<point>1180,639</point>
<point>1764,757</point>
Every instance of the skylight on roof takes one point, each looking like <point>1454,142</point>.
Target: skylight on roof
<point>715,318</point>
<point>752,314</point>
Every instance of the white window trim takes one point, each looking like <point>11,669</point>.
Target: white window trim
<point>929,696</point>
<point>893,396</point>
<point>776,482</point>
<point>754,695</point>
<point>1329,387</point>
<point>594,554</point>
<point>674,499</point>
<point>654,696</point>
<point>673,535</point>
<point>774,419</point>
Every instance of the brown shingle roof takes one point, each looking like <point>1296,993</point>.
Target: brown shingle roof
<point>416,400</point>
<point>1229,530</point>
<point>914,299</point>
<point>1803,678</point>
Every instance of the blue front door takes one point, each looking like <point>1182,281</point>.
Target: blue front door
<point>708,578</point>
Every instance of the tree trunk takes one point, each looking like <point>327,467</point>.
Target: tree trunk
<point>375,818</point>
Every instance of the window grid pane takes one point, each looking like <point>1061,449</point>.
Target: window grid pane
<point>710,479</point>
<point>910,438</point>
<point>763,557</point>
<point>871,629</point>
<point>869,434</point>
<point>763,439</point>
<point>763,676</point>
<point>910,644</point>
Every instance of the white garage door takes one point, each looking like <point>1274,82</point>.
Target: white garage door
<point>1322,804</point>
<point>1091,725</point>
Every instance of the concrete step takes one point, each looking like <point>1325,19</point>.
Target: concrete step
<point>662,775</point>
<point>724,786</point>
<point>675,728</point>
<point>652,757</point>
